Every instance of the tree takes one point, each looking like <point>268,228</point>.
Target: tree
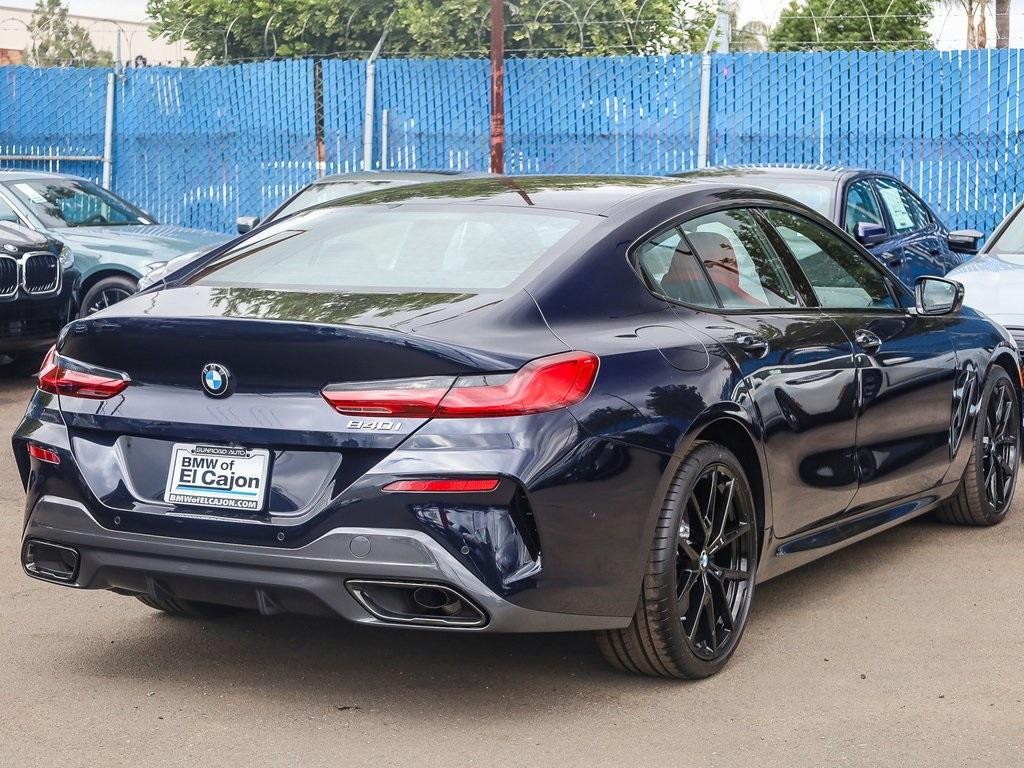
<point>871,24</point>
<point>241,29</point>
<point>59,42</point>
<point>1002,23</point>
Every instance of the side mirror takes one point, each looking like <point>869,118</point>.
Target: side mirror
<point>246,224</point>
<point>869,234</point>
<point>965,240</point>
<point>938,296</point>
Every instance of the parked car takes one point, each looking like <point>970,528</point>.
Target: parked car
<point>325,190</point>
<point>994,280</point>
<point>38,285</point>
<point>341,185</point>
<point>114,243</point>
<point>515,405</point>
<point>880,211</point>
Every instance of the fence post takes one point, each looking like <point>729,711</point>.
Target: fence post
<point>718,38</point>
<point>704,117</point>
<point>108,132</point>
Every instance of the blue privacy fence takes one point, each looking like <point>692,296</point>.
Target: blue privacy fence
<point>200,146</point>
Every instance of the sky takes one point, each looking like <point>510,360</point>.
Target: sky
<point>946,27</point>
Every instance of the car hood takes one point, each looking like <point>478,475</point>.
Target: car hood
<point>145,242</point>
<point>993,285</point>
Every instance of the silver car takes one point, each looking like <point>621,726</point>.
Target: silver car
<point>994,279</point>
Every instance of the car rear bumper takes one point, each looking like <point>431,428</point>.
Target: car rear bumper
<point>308,579</point>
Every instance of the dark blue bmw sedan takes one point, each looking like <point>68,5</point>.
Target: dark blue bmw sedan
<point>515,405</point>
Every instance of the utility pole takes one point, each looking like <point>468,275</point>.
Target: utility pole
<point>497,86</point>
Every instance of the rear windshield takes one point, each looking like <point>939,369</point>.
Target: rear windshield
<point>395,248</point>
<point>817,197</point>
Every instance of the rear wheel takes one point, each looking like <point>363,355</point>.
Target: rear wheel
<point>987,487</point>
<point>699,582</point>
<point>189,608</point>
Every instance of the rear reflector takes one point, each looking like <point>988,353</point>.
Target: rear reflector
<point>54,377</point>
<point>544,384</point>
<point>43,454</point>
<point>449,485</point>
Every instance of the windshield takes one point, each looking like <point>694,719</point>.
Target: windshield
<point>1011,240</point>
<point>59,203</point>
<point>406,248</point>
<point>326,191</point>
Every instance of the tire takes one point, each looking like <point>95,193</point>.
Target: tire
<point>670,634</point>
<point>986,490</point>
<point>107,292</point>
<point>187,608</point>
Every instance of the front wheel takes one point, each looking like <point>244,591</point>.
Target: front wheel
<point>699,583</point>
<point>107,292</point>
<point>986,489</point>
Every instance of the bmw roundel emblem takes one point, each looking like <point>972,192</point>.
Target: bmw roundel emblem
<point>215,379</point>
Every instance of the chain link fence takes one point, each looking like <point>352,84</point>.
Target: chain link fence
<point>201,146</point>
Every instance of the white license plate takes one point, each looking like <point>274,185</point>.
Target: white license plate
<point>217,476</point>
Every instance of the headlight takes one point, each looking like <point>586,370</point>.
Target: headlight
<point>66,257</point>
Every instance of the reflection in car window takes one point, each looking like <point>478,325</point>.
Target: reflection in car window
<point>326,191</point>
<point>397,248</point>
<point>841,277</point>
<point>905,211</point>
<point>861,206</point>
<point>743,267</point>
<point>75,203</point>
<point>672,270</point>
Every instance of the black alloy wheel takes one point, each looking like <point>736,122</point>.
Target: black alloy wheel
<point>714,562</point>
<point>990,477</point>
<point>1000,445</point>
<point>697,590</point>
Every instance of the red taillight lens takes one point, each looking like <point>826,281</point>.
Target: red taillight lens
<point>541,385</point>
<point>74,383</point>
<point>446,485</point>
<point>412,398</point>
<point>544,384</point>
<point>43,454</point>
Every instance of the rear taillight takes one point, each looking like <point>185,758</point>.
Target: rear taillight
<point>544,384</point>
<point>60,378</point>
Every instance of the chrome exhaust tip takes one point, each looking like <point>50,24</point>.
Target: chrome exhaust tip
<point>50,562</point>
<point>417,603</point>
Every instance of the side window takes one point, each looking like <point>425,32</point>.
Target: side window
<point>744,269</point>
<point>861,206</point>
<point>841,277</point>
<point>672,270</point>
<point>905,211</point>
<point>7,213</point>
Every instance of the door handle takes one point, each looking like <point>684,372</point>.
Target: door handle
<point>754,344</point>
<point>867,341</point>
<point>892,259</point>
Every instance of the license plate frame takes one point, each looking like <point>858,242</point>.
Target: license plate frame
<point>210,476</point>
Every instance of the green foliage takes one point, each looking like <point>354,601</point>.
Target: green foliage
<point>868,24</point>
<point>243,29</point>
<point>59,42</point>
